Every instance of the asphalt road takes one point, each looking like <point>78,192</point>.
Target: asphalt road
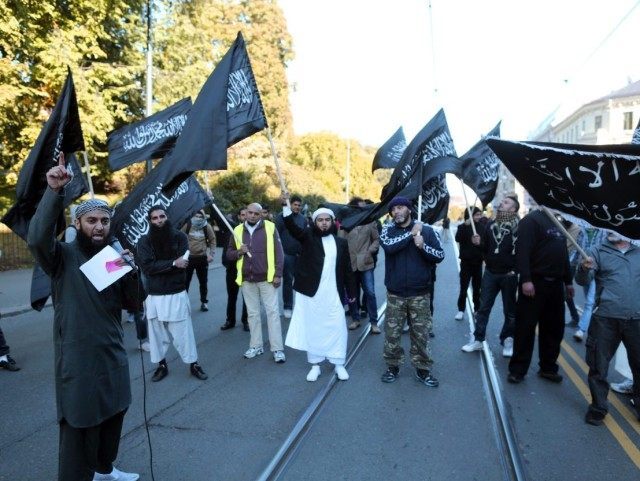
<point>230,426</point>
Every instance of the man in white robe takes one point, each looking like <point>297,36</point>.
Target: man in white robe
<point>323,271</point>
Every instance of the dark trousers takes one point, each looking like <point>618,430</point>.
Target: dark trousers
<point>4,349</point>
<point>141,325</point>
<point>84,451</point>
<point>492,284</point>
<point>575,317</point>
<point>201,266</point>
<point>365,280</point>
<point>469,273</point>
<point>232,297</point>
<point>603,338</point>
<point>545,310</point>
<point>287,280</point>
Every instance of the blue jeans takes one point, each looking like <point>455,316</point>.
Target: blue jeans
<point>287,281</point>
<point>366,281</point>
<point>492,284</point>
<point>589,301</point>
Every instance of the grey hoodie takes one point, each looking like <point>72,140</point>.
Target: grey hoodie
<point>617,276</point>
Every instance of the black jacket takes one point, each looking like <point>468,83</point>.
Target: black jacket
<point>468,252</point>
<point>541,249</point>
<point>162,277</point>
<point>504,260</point>
<point>408,270</point>
<point>311,260</point>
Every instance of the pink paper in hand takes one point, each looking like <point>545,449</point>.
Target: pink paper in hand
<point>112,266</point>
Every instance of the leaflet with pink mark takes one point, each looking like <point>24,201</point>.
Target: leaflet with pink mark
<point>112,266</point>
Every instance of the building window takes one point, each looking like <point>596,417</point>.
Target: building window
<point>628,121</point>
<point>598,122</point>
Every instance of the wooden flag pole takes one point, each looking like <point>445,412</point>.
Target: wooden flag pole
<point>226,222</point>
<point>278,171</point>
<point>564,231</point>
<point>464,192</point>
<point>86,166</point>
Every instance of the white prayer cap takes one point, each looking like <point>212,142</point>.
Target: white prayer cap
<point>322,210</point>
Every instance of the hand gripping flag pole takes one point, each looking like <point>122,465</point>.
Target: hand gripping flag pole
<point>226,222</point>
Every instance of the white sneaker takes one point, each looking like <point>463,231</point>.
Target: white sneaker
<point>405,328</point>
<point>472,346</point>
<point>287,313</point>
<point>341,372</point>
<point>459,316</point>
<point>507,347</point>
<point>314,373</point>
<point>578,335</point>
<point>130,317</point>
<point>145,346</point>
<point>624,387</point>
<point>279,357</point>
<point>253,352</point>
<point>116,475</point>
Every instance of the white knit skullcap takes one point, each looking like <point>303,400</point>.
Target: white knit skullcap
<point>322,210</point>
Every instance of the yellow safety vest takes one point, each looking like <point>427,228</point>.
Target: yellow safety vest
<point>269,228</point>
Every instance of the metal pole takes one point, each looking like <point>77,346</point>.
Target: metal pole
<point>86,166</point>
<point>149,94</point>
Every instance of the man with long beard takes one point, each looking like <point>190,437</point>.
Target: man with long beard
<point>162,259</point>
<point>323,270</point>
<point>93,390</point>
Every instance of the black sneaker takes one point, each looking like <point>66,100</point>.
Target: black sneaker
<point>424,376</point>
<point>227,325</point>
<point>391,374</point>
<point>514,378</point>
<point>550,376</point>
<point>9,365</point>
<point>204,307</point>
<point>245,326</point>
<point>161,373</point>
<point>594,418</point>
<point>197,371</point>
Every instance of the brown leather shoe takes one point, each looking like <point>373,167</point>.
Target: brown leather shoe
<point>375,329</point>
<point>354,325</point>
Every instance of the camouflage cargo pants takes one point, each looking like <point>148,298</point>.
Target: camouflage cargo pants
<point>398,310</point>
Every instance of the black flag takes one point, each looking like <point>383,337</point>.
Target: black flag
<point>130,221</point>
<point>227,110</point>
<point>431,153</point>
<point>595,183</point>
<point>480,167</point>
<point>435,199</point>
<point>388,156</point>
<point>61,133</point>
<point>150,138</point>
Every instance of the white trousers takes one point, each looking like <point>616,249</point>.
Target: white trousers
<point>161,334</point>
<point>317,359</point>
<point>253,293</point>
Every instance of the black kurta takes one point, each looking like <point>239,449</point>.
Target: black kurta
<point>91,365</point>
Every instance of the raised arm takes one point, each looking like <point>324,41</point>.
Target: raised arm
<point>41,237</point>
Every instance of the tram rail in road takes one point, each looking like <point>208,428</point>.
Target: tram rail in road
<point>510,457</point>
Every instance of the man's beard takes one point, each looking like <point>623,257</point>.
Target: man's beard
<point>324,233</point>
<point>87,245</point>
<point>161,241</point>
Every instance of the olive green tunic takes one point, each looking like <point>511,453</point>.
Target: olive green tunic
<point>91,365</point>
